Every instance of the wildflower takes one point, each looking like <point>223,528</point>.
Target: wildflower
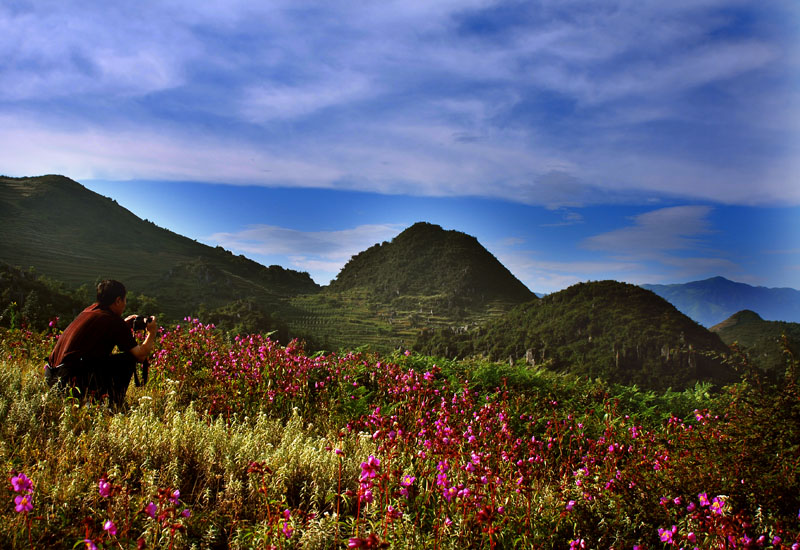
<point>104,488</point>
<point>717,506</point>
<point>570,505</point>
<point>577,543</point>
<point>110,527</point>
<point>369,469</point>
<point>690,508</point>
<point>407,480</point>
<point>90,545</point>
<point>665,535</point>
<point>186,513</point>
<point>703,499</point>
<point>23,504</point>
<point>151,510</point>
<point>287,530</point>
<point>448,522</point>
<point>176,494</point>
<point>22,484</point>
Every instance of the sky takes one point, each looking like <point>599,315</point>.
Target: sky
<point>637,140</point>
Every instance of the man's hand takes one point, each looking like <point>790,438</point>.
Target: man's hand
<point>152,327</point>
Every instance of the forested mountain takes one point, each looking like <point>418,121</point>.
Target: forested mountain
<point>713,300</point>
<point>765,342</point>
<point>428,260</point>
<point>75,236</point>
<point>606,329</point>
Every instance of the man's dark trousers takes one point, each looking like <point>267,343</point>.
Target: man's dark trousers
<point>110,376</point>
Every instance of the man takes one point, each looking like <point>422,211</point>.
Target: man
<point>82,358</point>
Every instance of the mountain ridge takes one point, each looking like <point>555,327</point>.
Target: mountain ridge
<point>711,301</point>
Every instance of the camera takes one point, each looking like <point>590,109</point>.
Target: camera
<point>140,322</point>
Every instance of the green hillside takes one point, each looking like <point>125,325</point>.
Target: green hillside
<point>425,278</point>
<point>712,300</point>
<point>76,236</point>
<point>762,340</point>
<point>605,329</point>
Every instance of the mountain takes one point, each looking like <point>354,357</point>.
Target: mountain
<point>616,331</point>
<point>713,300</point>
<point>762,340</point>
<point>426,277</point>
<point>75,236</point>
<point>428,260</point>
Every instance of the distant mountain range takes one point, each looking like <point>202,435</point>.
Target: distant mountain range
<point>711,301</point>
<point>433,290</point>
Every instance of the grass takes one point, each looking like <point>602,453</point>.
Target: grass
<point>243,443</point>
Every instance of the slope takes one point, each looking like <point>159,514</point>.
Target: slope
<point>426,277</point>
<point>762,340</point>
<point>77,236</point>
<point>713,300</point>
<point>611,330</point>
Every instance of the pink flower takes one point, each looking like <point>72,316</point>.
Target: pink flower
<point>717,506</point>
<point>703,499</point>
<point>22,484</point>
<point>665,535</point>
<point>369,469</point>
<point>151,510</point>
<point>570,505</point>
<point>110,527</point>
<point>104,488</point>
<point>90,545</point>
<point>23,504</point>
<point>176,494</point>
<point>407,480</point>
<point>287,530</point>
<point>186,513</point>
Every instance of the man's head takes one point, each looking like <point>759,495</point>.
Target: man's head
<point>109,291</point>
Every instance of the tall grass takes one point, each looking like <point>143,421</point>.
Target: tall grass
<point>243,443</point>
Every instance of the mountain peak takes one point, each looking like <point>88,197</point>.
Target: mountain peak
<point>426,259</point>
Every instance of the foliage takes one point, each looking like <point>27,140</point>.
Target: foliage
<point>427,260</point>
<point>610,330</point>
<point>239,442</point>
<point>761,340</point>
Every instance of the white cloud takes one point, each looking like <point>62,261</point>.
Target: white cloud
<point>322,253</point>
<point>655,232</point>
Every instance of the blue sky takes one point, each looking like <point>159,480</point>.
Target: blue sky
<point>643,141</point>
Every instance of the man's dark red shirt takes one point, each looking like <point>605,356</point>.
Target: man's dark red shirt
<point>92,335</point>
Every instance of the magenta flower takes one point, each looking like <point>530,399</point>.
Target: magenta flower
<point>22,484</point>
<point>717,506</point>
<point>90,545</point>
<point>570,505</point>
<point>104,488</point>
<point>369,469</point>
<point>151,510</point>
<point>176,494</point>
<point>665,535</point>
<point>186,513</point>
<point>110,528</point>
<point>407,480</point>
<point>287,530</point>
<point>703,499</point>
<point>23,504</point>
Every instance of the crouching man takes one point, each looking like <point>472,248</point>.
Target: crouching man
<point>82,358</point>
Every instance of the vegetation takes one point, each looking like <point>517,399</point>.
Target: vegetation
<point>56,225</point>
<point>243,443</point>
<point>711,301</point>
<point>605,329</point>
<point>763,341</point>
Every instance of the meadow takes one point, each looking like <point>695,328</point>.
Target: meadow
<point>239,442</point>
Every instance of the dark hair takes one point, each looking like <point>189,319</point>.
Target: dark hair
<point>108,291</point>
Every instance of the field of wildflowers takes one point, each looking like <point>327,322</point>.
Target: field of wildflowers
<point>238,442</point>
